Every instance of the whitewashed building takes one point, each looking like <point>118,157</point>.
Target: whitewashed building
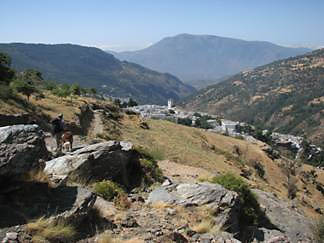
<point>228,125</point>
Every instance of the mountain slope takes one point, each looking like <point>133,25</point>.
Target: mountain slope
<point>286,95</point>
<point>207,57</point>
<point>93,67</point>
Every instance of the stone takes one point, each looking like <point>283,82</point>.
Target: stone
<point>206,238</point>
<point>171,211</point>
<point>167,182</point>
<point>21,149</point>
<point>287,221</point>
<point>136,198</point>
<point>105,208</point>
<point>112,160</point>
<point>129,222</point>
<point>225,237</point>
<point>214,196</point>
<point>177,237</point>
<point>83,203</point>
<point>12,235</point>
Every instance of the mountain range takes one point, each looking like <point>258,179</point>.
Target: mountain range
<point>286,96</point>
<point>200,60</point>
<point>92,67</point>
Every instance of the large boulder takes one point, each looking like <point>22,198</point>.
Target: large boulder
<point>214,196</point>
<point>21,149</point>
<point>83,203</point>
<point>288,220</point>
<point>116,161</point>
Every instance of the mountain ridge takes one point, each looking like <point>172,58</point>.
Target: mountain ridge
<point>286,95</point>
<point>92,67</point>
<point>207,57</point>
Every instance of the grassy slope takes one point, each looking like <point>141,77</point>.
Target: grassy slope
<point>183,145</point>
<point>187,146</point>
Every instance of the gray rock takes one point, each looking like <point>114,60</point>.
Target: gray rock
<point>21,149</point>
<point>288,221</point>
<point>225,237</point>
<point>167,182</point>
<point>84,202</point>
<point>129,222</point>
<point>11,237</point>
<point>110,160</point>
<point>216,197</point>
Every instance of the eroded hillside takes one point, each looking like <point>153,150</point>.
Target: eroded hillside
<point>287,96</point>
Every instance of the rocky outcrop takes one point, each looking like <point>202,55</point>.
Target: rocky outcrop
<point>216,197</point>
<point>116,161</point>
<point>21,149</point>
<point>291,223</point>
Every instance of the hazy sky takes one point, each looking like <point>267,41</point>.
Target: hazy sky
<point>134,24</point>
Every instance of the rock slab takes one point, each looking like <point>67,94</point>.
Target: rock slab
<point>214,196</point>
<point>21,149</point>
<point>112,160</point>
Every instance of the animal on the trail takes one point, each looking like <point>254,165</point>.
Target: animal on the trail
<point>67,141</point>
<point>57,131</point>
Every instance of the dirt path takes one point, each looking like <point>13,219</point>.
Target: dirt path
<point>183,173</point>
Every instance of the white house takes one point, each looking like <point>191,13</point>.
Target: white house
<point>228,125</point>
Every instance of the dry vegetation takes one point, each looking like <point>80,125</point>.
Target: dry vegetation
<point>44,229</point>
<point>216,154</point>
<point>188,146</point>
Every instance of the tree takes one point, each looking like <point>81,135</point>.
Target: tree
<point>6,74</point>
<point>26,88</point>
<point>5,60</point>
<point>62,90</point>
<point>131,103</point>
<point>185,121</point>
<point>93,91</point>
<point>75,89</point>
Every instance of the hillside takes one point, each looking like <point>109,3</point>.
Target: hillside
<point>186,156</point>
<point>286,95</point>
<point>207,57</point>
<point>91,67</point>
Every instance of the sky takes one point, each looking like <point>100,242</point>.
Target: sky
<point>121,25</point>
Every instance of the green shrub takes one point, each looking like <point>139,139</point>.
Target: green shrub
<point>259,169</point>
<point>250,210</point>
<point>148,160</point>
<point>318,230</point>
<point>6,92</point>
<point>107,189</point>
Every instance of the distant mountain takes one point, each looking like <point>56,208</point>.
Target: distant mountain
<point>92,67</point>
<point>286,95</point>
<point>207,57</point>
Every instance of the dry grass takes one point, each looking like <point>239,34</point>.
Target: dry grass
<point>212,152</point>
<point>121,201</point>
<point>105,238</point>
<point>160,205</point>
<point>44,229</point>
<point>186,145</point>
<point>135,240</point>
<point>205,226</point>
<point>51,105</point>
<point>37,176</point>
